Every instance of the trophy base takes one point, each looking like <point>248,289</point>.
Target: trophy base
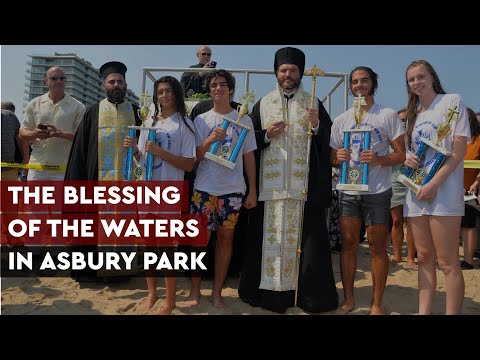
<point>220,160</point>
<point>353,187</point>
<point>409,183</point>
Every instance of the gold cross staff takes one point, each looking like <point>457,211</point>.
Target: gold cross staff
<point>313,72</point>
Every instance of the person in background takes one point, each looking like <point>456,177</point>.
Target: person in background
<point>399,191</point>
<point>471,182</point>
<point>11,141</point>
<point>194,82</point>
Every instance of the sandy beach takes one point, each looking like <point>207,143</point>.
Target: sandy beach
<point>55,296</point>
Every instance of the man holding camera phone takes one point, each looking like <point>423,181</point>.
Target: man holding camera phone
<point>195,81</point>
<point>49,124</point>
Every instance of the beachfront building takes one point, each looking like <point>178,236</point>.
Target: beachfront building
<point>84,81</point>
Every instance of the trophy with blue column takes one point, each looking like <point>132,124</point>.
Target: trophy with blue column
<point>228,153</point>
<point>414,179</point>
<point>355,177</point>
<point>143,113</point>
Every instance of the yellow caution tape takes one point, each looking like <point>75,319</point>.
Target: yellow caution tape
<point>471,164</point>
<point>33,166</point>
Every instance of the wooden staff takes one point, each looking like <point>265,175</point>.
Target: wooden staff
<point>313,72</point>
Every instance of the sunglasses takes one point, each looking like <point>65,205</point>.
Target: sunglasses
<point>55,78</point>
<point>206,54</point>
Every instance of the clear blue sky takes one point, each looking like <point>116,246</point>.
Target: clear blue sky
<point>457,66</point>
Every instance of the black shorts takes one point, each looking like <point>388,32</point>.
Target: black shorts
<point>373,208</point>
<point>469,220</point>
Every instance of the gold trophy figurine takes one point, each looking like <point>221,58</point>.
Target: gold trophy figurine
<point>144,111</point>
<point>355,179</point>
<point>444,128</point>
<point>357,104</point>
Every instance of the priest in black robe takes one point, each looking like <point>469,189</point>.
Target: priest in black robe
<point>316,284</point>
<point>94,151</point>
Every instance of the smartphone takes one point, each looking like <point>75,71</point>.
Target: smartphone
<point>213,64</point>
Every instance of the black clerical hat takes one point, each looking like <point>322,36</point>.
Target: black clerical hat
<point>113,67</point>
<point>290,55</point>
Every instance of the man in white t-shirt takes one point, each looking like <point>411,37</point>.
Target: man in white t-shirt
<point>218,190</point>
<point>372,206</point>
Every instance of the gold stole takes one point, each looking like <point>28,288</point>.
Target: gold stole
<point>282,172</point>
<point>282,166</point>
<point>113,122</point>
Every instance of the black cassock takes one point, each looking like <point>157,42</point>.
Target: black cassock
<point>316,289</point>
<point>83,165</point>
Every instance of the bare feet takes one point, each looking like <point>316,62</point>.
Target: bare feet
<point>376,310</point>
<point>395,261</point>
<point>411,264</point>
<point>192,300</point>
<point>150,301</point>
<point>344,308</point>
<point>217,301</point>
<point>165,310</point>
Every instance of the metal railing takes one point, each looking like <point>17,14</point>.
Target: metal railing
<point>326,100</point>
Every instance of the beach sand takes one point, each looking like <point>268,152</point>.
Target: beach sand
<point>52,296</point>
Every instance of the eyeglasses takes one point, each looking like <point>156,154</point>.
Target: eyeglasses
<point>206,54</point>
<point>55,78</point>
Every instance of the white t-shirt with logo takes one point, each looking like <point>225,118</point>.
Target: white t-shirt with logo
<point>449,199</point>
<point>385,126</point>
<point>174,136</point>
<point>214,178</point>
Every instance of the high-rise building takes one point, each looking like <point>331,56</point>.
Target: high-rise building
<point>84,82</point>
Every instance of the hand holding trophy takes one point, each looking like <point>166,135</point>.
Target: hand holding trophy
<point>414,179</point>
<point>349,177</point>
<point>228,156</point>
<point>143,113</point>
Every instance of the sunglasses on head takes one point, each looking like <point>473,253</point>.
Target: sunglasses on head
<point>55,78</point>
